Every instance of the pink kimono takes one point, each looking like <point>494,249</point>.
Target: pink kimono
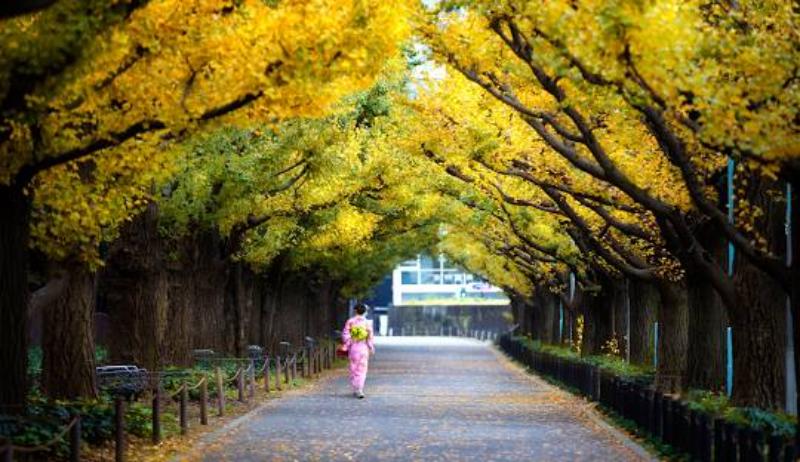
<point>358,352</point>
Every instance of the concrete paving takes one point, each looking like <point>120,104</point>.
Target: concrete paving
<point>428,399</point>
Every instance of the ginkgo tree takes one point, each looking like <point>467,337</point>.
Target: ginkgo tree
<point>549,210</point>
<point>86,79</point>
<point>634,116</point>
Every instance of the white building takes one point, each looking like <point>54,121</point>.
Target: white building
<point>429,281</point>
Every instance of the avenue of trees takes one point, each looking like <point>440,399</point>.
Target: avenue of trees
<point>196,168</point>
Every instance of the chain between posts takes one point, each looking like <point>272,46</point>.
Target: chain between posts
<point>9,449</point>
<point>316,360</point>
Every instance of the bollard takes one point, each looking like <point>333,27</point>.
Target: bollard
<point>119,429</point>
<point>266,374</point>
<point>220,394</point>
<point>278,373</point>
<point>204,401</point>
<point>183,404</point>
<point>240,384</point>
<point>157,413</point>
<point>251,378</point>
<point>75,440</point>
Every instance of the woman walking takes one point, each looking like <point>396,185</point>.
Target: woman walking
<point>357,339</point>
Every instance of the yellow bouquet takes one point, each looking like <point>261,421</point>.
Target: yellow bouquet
<point>358,333</point>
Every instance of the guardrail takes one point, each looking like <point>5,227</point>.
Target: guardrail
<point>700,435</point>
<point>128,384</point>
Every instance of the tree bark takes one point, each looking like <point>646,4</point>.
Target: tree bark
<point>645,303</point>
<point>68,362</point>
<point>15,207</point>
<point>234,309</point>
<point>597,328</point>
<point>548,312</point>
<point>673,336</point>
<point>758,320</point>
<point>705,368</point>
<point>137,288</point>
<point>759,332</point>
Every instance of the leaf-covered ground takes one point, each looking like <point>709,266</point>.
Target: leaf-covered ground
<point>427,399</point>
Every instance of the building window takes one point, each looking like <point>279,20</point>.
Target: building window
<point>409,277</point>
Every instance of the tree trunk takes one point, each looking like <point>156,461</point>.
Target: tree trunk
<point>673,336</point>
<point>234,310</point>
<point>597,328</point>
<point>705,368</point>
<point>68,363</point>
<point>759,330</point>
<point>182,277</point>
<point>15,207</point>
<point>557,319</point>
<point>137,287</point>
<point>619,315</point>
<point>549,311</point>
<point>758,319</point>
<point>645,302</point>
<point>208,305</point>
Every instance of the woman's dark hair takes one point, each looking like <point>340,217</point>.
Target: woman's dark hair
<point>360,308</point>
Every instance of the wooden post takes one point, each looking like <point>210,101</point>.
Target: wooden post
<point>157,412</point>
<point>251,378</point>
<point>204,401</point>
<point>327,356</point>
<point>75,439</point>
<point>220,393</point>
<point>294,367</point>
<point>286,370</point>
<point>182,412</point>
<point>119,429</point>
<point>278,372</point>
<point>305,362</point>
<point>266,374</point>
<point>240,384</point>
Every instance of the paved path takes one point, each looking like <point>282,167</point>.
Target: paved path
<point>428,399</point>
